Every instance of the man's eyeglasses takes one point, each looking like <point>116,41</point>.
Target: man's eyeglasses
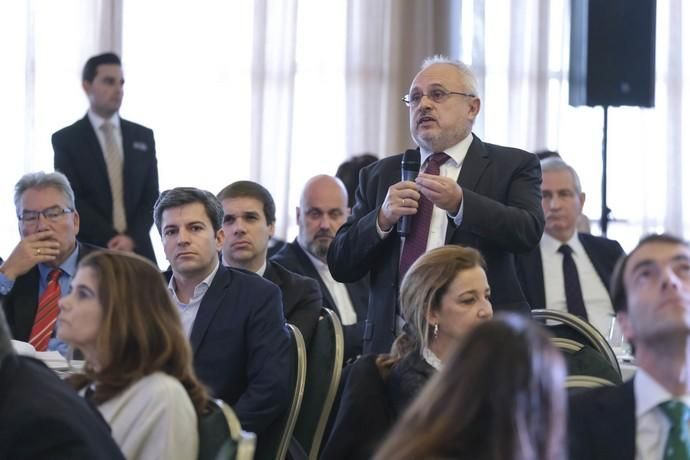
<point>437,95</point>
<point>51,214</point>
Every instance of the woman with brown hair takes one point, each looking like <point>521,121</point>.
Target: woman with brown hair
<point>443,296</point>
<point>500,396</point>
<point>138,361</point>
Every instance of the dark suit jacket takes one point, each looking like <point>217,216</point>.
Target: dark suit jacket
<point>79,156</point>
<point>602,252</point>
<point>602,423</point>
<point>21,302</point>
<point>42,417</point>
<point>241,344</point>
<point>502,215</point>
<point>301,298</point>
<point>293,257</point>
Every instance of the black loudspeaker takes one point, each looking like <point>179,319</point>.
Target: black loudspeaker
<point>612,52</point>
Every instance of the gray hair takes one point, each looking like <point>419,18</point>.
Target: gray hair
<point>6,347</point>
<point>554,164</point>
<point>181,196</point>
<point>42,180</point>
<point>464,69</point>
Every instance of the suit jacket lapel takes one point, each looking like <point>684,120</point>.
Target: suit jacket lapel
<point>616,425</point>
<point>473,166</point>
<point>310,271</point>
<point>212,300</point>
<point>594,257</point>
<point>25,303</point>
<point>90,138</point>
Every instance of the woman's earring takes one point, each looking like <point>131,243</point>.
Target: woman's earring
<point>435,330</point>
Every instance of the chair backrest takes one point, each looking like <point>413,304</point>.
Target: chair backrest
<point>324,367</point>
<point>582,330</point>
<point>274,443</point>
<point>221,435</point>
<point>586,381</point>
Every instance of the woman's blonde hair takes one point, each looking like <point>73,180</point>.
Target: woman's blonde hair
<point>423,287</point>
<point>141,332</point>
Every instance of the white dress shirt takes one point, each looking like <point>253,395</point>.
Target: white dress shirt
<point>338,291</point>
<point>188,311</point>
<point>594,293</point>
<point>652,426</point>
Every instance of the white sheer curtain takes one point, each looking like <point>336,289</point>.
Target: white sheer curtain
<point>43,47</point>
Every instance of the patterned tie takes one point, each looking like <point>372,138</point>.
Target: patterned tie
<point>573,291</point>
<point>46,313</point>
<point>113,162</point>
<point>415,244</point>
<point>678,441</point>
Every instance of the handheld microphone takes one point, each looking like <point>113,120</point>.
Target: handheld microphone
<point>409,169</point>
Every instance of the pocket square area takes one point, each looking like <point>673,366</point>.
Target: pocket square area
<point>140,146</point>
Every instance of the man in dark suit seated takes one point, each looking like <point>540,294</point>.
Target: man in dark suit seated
<point>40,268</point>
<point>468,193</point>
<point>111,163</point>
<point>323,209</point>
<point>234,319</point>
<point>576,282</point>
<point>42,417</point>
<point>646,417</point>
<point>249,224</point>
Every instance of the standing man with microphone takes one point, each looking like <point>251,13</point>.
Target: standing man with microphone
<point>469,193</point>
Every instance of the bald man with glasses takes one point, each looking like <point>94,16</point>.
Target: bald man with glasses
<point>468,193</point>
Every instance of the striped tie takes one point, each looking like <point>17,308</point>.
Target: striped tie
<point>47,312</point>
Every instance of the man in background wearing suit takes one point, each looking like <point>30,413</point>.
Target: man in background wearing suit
<point>646,417</point>
<point>322,211</point>
<point>111,164</point>
<point>469,193</point>
<point>41,266</point>
<point>248,224</point>
<point>42,417</point>
<point>234,319</point>
<point>544,272</point>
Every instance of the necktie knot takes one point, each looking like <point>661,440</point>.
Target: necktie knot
<point>676,412</point>
<point>565,250</point>
<point>437,159</point>
<point>107,127</point>
<point>54,275</point>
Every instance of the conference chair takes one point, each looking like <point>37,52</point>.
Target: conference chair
<point>273,445</point>
<point>221,435</point>
<point>586,351</point>
<point>324,367</point>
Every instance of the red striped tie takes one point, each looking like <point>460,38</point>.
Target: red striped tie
<point>47,312</point>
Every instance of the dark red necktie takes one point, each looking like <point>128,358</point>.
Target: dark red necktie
<point>415,243</point>
<point>573,290</point>
<point>46,313</point>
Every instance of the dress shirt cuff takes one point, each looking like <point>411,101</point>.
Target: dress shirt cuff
<point>383,235</point>
<point>457,219</point>
<point>6,284</point>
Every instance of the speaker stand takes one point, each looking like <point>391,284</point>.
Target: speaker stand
<point>605,211</point>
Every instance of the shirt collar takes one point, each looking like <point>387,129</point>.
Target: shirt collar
<point>97,120</point>
<point>649,393</point>
<point>200,288</point>
<point>457,153</point>
<point>551,244</point>
<point>262,269</point>
<point>431,359</point>
<point>68,267</point>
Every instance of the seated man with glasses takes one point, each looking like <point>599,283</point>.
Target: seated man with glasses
<point>39,269</point>
<point>468,192</point>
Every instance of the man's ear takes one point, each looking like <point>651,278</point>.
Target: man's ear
<point>297,215</point>
<point>220,238</point>
<point>623,320</point>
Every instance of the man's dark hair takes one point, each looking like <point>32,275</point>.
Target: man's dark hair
<point>619,294</point>
<point>348,172</point>
<point>249,189</point>
<point>181,196</point>
<point>91,66</point>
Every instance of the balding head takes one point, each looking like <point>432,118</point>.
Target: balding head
<point>322,211</point>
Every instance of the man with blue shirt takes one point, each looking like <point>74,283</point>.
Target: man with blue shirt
<point>41,266</point>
